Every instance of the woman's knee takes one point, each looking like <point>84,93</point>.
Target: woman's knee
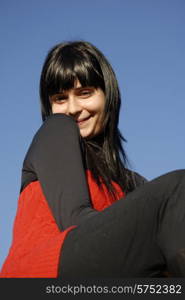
<point>177,175</point>
<point>59,125</point>
<point>173,176</point>
<point>165,183</point>
<point>62,120</point>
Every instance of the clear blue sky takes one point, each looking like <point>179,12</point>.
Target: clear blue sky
<point>144,41</point>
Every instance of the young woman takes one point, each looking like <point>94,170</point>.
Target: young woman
<point>81,211</point>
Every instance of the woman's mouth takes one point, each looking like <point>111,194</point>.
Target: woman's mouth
<point>82,121</point>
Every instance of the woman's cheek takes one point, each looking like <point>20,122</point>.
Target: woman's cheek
<point>56,108</point>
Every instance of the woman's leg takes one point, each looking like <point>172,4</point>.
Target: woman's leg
<point>139,236</point>
<point>55,159</point>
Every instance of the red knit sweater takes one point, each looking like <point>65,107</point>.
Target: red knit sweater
<point>37,240</point>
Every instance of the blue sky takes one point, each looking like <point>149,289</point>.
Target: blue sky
<point>143,40</point>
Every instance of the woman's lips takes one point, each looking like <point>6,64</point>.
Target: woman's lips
<point>82,121</point>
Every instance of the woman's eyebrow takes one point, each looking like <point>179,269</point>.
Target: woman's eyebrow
<point>82,87</point>
<point>76,89</point>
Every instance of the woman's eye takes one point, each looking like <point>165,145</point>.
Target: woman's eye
<point>86,93</point>
<point>58,98</point>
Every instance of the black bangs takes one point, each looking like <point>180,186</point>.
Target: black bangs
<point>70,66</point>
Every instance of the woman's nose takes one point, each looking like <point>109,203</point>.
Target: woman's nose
<point>73,106</point>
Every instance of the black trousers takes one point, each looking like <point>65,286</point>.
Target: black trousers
<point>141,235</point>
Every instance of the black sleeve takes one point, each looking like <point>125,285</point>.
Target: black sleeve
<point>55,159</point>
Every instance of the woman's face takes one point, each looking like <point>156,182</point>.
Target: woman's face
<point>85,105</point>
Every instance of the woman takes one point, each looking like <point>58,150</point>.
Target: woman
<point>69,221</point>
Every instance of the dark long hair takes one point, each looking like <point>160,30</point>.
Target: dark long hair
<point>104,154</point>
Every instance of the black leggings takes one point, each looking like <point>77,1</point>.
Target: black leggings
<point>141,235</point>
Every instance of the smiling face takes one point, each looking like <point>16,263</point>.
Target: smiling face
<point>85,105</point>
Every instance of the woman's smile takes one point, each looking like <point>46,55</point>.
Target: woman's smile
<point>82,121</point>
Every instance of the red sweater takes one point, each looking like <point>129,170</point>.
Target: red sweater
<point>37,240</point>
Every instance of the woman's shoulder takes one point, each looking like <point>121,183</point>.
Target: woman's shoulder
<point>137,178</point>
